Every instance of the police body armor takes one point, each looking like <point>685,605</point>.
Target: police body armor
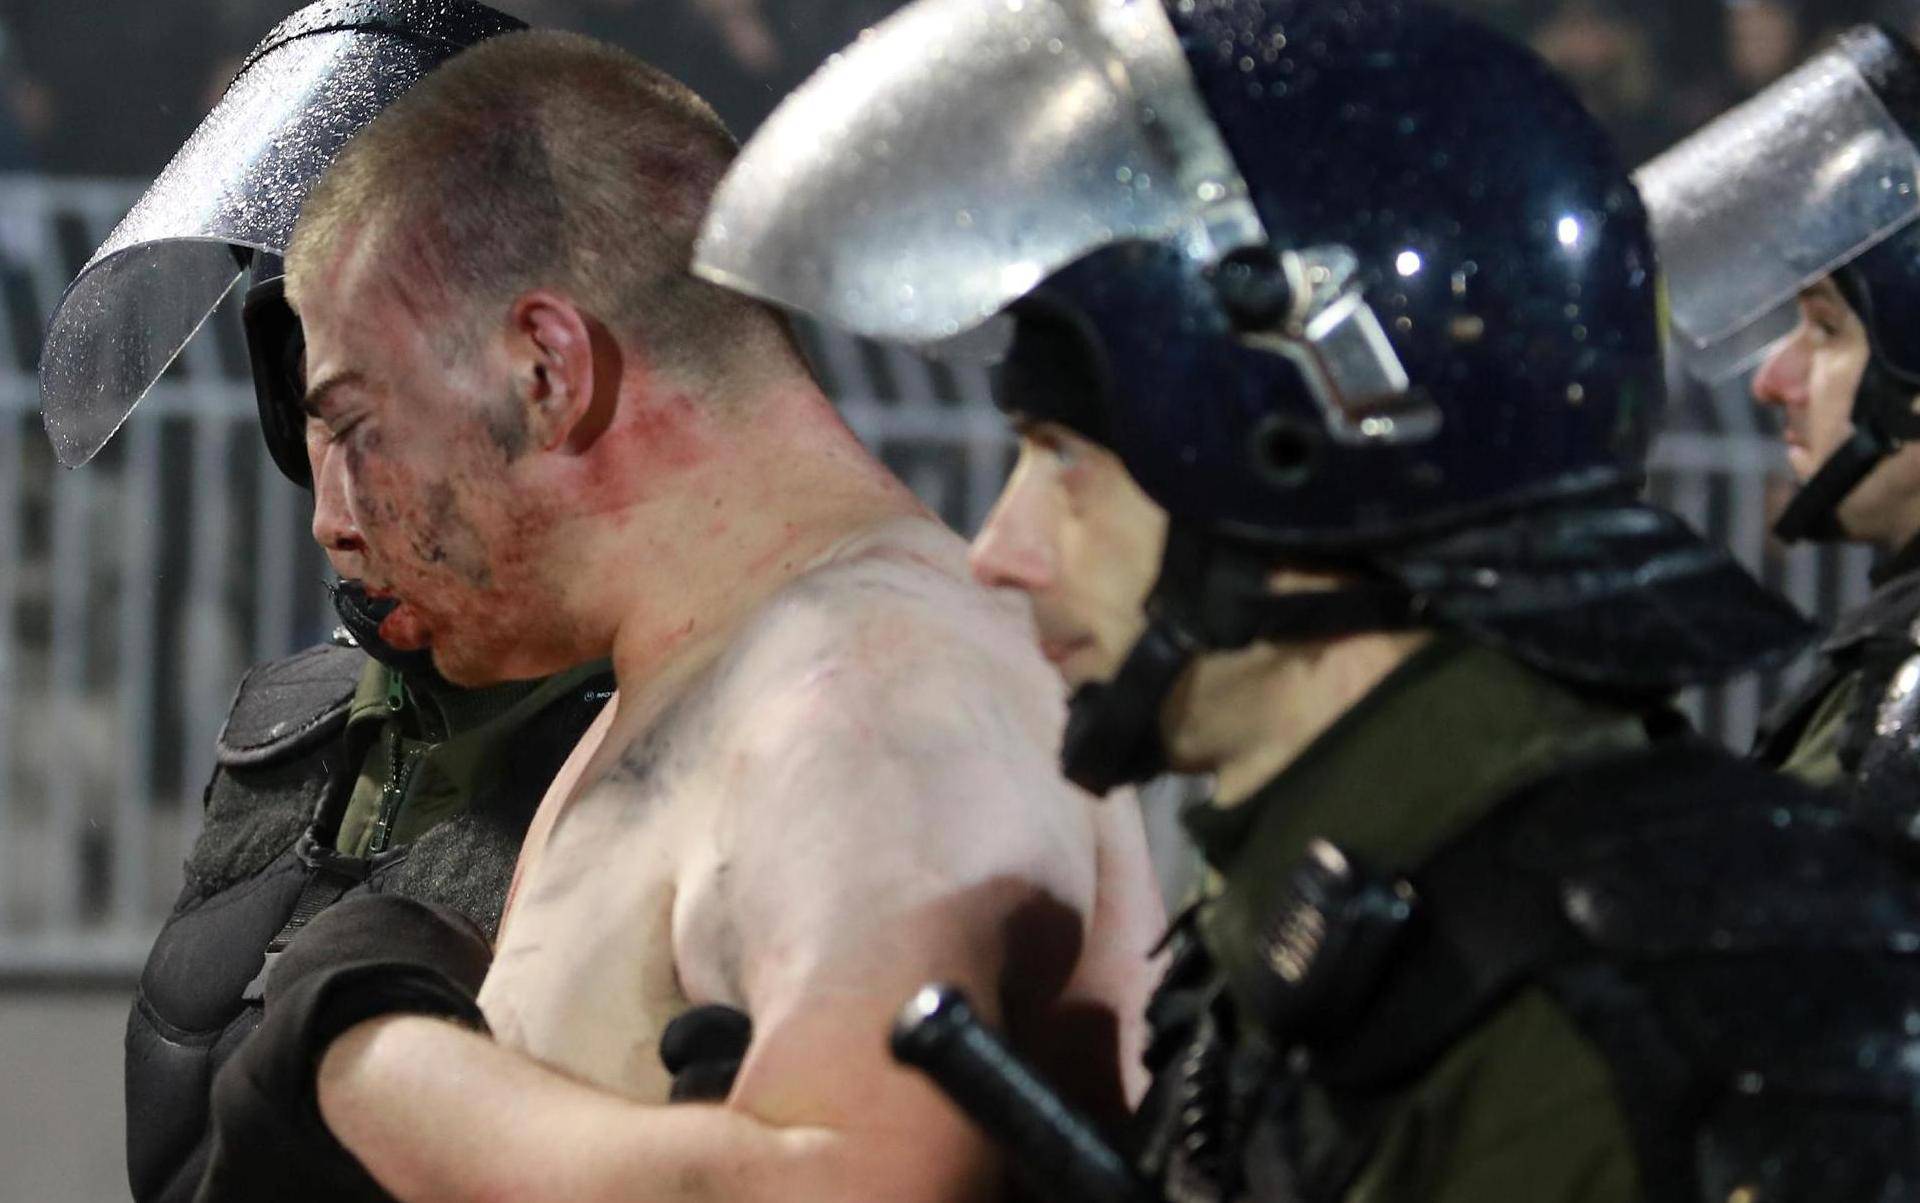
<point>1874,653</point>
<point>264,865</point>
<point>1653,897</point>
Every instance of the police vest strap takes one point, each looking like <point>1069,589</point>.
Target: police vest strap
<point>284,708</point>
<point>330,875</point>
<point>1480,932</point>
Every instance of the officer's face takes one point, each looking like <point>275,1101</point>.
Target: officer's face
<point>1811,377</point>
<point>1073,532</point>
<point>414,477</point>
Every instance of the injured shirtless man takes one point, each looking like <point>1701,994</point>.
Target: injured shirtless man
<point>829,775</point>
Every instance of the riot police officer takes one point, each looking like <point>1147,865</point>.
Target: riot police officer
<point>348,768</point>
<point>1797,208</point>
<point>1332,339</point>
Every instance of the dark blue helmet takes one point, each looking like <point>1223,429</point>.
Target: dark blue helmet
<point>1507,261</point>
<point>1389,305</point>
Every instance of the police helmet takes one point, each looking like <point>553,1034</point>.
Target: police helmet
<point>1818,175</point>
<point>1299,265</point>
<point>226,205</point>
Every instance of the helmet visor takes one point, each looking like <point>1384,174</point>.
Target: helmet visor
<point>237,183</point>
<point>1771,197</point>
<point>884,198</point>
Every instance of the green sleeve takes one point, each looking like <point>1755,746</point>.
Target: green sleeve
<point>1815,759</point>
<point>1522,1109</point>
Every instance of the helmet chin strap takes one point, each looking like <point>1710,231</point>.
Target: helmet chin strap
<point>1814,512</point>
<point>1211,596</point>
<point>1883,418</point>
<point>362,615</point>
<point>1113,727</point>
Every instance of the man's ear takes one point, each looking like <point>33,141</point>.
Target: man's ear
<point>557,374</point>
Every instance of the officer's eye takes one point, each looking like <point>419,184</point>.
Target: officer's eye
<point>1822,320</point>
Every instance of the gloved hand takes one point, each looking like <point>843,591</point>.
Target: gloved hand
<point>702,1049</point>
<point>371,955</point>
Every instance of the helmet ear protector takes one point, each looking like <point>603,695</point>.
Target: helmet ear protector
<point>276,351</point>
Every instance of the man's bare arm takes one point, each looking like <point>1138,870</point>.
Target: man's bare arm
<point>897,824</point>
<point>439,1113</point>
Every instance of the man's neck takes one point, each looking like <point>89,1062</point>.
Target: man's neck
<point>1252,713</point>
<point>783,489</point>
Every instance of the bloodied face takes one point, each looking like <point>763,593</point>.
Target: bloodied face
<point>1075,534</point>
<point>418,445</point>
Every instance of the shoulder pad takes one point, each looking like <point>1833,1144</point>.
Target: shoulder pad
<point>1743,955</point>
<point>1762,1143</point>
<point>1687,851</point>
<point>284,707</point>
<point>1889,611</point>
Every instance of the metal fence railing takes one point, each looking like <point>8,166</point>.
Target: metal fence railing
<point>134,592</point>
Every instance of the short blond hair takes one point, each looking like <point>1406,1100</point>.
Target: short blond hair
<point>541,159</point>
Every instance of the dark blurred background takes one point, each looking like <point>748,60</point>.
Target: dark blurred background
<point>111,87</point>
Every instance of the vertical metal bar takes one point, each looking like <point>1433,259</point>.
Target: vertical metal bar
<point>71,553</point>
<point>1801,581</point>
<point>919,405</point>
<point>1691,499</point>
<point>274,547</point>
<point>986,444</point>
<point>209,673</point>
<point>1856,568</point>
<point>72,546</point>
<point>133,853</point>
<point>25,237</point>
<point>847,380</point>
<point>913,379</point>
<point>844,374</point>
<point>12,418</point>
<point>1747,536</point>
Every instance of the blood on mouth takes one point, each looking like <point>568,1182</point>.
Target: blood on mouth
<point>403,629</point>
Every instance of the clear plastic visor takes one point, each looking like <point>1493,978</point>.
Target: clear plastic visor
<point>1769,198</point>
<point>963,150</point>
<point>238,182</point>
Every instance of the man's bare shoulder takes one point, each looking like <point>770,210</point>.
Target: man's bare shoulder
<point>900,742</point>
<point>896,623</point>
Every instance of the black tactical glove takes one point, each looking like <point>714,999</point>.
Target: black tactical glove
<point>702,1049</point>
<point>372,955</point>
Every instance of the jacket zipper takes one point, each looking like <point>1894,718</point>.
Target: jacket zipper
<point>400,766</point>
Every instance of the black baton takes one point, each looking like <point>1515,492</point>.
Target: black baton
<point>1061,1156</point>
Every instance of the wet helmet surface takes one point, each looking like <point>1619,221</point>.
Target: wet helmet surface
<point>1508,263</point>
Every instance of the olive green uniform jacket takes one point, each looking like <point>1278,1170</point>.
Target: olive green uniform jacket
<point>1522,1108</point>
